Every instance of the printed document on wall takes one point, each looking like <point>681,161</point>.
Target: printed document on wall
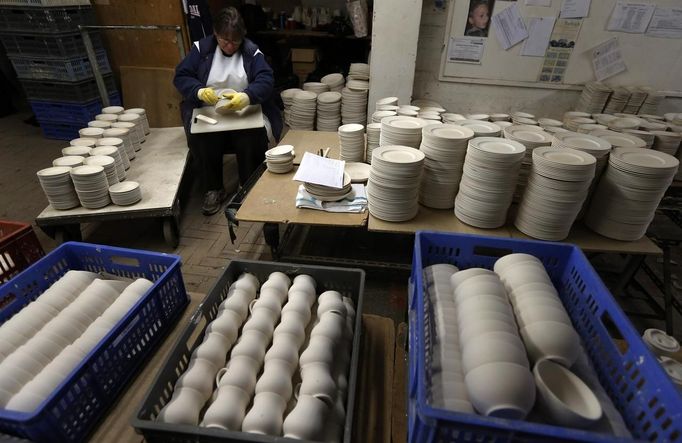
<point>631,17</point>
<point>666,22</point>
<point>539,31</point>
<point>509,27</point>
<point>575,8</point>
<point>607,59</point>
<point>538,2</point>
<point>466,49</point>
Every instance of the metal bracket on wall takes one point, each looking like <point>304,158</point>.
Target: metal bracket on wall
<point>90,50</point>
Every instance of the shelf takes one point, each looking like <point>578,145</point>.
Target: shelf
<point>306,33</point>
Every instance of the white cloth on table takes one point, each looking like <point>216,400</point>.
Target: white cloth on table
<point>355,202</point>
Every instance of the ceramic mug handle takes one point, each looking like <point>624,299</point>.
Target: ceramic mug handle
<point>219,375</point>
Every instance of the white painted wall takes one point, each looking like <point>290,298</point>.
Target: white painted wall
<point>465,98</point>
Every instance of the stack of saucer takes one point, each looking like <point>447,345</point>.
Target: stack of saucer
<point>586,129</point>
<point>668,142</point>
<point>280,159</point>
<point>549,122</point>
<point>431,113</point>
<point>302,112</point>
<point>408,110</point>
<point>91,186</point>
<point>358,71</point>
<point>352,142</point>
<point>328,111</point>
<point>334,81</point>
<point>629,192</point>
<point>619,140</point>
<point>112,151</point>
<point>316,87</point>
<point>594,97</point>
<point>500,117</point>
<point>620,123</point>
<point>288,100</point>
<point>380,115</point>
<point>123,134</point>
<point>125,193</point>
<point>489,177</point>
<point>353,106</point>
<point>88,142</point>
<point>403,131</point>
<point>329,194</point>
<point>556,190</point>
<point>393,185</point>
<point>91,132</point>
<point>647,136</point>
<point>444,147</point>
<point>573,123</point>
<point>636,100</point>
<point>555,129</point>
<point>521,115</point>
<point>481,128</point>
<point>652,125</point>
<point>81,151</point>
<point>58,187</point>
<point>650,105</point>
<point>373,136</point>
<point>603,119</point>
<point>118,144</point>
<point>106,162</point>
<point>619,97</point>
<point>449,117</point>
<point>387,101</point>
<point>357,85</point>
<point>531,137</point>
<point>70,161</point>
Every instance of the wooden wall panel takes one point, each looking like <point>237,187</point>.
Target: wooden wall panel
<point>153,90</point>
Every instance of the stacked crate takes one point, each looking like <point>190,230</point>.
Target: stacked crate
<point>43,42</point>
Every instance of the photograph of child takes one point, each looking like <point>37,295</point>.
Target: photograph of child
<point>478,20</point>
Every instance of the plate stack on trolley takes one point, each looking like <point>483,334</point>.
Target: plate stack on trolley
<point>46,48</point>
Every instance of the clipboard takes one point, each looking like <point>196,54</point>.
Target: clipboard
<point>247,118</point>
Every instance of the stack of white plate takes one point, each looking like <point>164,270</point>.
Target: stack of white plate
<point>488,180</point>
<point>81,151</point>
<point>594,97</point>
<point>617,101</point>
<point>575,114</point>
<point>358,71</point>
<point>651,103</point>
<point>629,192</point>
<point>481,128</point>
<point>393,108</point>
<point>125,193</point>
<point>70,161</point>
<point>531,137</point>
<point>573,123</point>
<point>515,116</point>
<point>91,132</point>
<point>288,100</point>
<point>653,125</point>
<point>393,185</point>
<point>595,146</point>
<point>586,129</point>
<point>328,111</point>
<point>668,142</point>
<point>387,101</point>
<point>334,81</point>
<point>431,113</point>
<point>636,100</point>
<point>620,123</point>
<point>403,131</point>
<point>118,144</point>
<point>425,102</point>
<point>352,142</point>
<point>450,117</point>
<point>353,106</point>
<point>357,85</point>
<point>91,186</point>
<point>379,115</point>
<point>88,142</point>
<point>603,119</point>
<point>445,147</point>
<point>484,117</point>
<point>280,159</point>
<point>373,137</point>
<point>329,194</point>
<point>555,129</point>
<point>58,187</point>
<point>316,87</point>
<point>112,151</point>
<point>106,162</point>
<point>302,112</point>
<point>619,140</point>
<point>557,188</point>
<point>408,110</point>
<point>547,122</point>
<point>499,117</point>
<point>101,123</point>
<point>123,134</point>
<point>647,136</point>
<point>525,121</point>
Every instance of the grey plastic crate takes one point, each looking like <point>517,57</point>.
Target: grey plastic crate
<point>44,3</point>
<point>48,45</point>
<point>45,20</point>
<point>72,92</point>
<point>61,69</point>
<point>349,282</point>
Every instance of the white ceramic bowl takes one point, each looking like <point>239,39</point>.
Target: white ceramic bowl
<point>504,390</point>
<point>529,287</point>
<point>476,328</point>
<point>536,313</point>
<point>512,260</point>
<point>553,340</point>
<point>482,350</point>
<point>459,277</point>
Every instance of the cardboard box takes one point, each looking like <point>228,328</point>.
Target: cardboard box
<point>305,55</point>
<point>302,69</point>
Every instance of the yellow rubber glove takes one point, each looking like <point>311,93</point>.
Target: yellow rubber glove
<point>208,96</point>
<point>238,101</point>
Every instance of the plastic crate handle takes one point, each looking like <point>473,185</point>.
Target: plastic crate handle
<point>413,350</point>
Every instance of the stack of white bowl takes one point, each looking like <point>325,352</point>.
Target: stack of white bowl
<point>496,370</point>
<point>646,136</point>
<point>288,100</point>
<point>373,137</point>
<point>70,161</point>
<point>400,130</point>
<point>125,193</point>
<point>352,142</point>
<point>334,81</point>
<point>544,123</point>
<point>393,185</point>
<point>449,117</point>
<point>489,177</point>
<point>587,128</point>
<point>447,379</point>
<point>636,100</point>
<point>353,106</point>
<point>618,139</point>
<point>380,115</point>
<point>499,117</point>
<point>112,151</point>
<point>573,123</point>
<point>593,98</point>
<point>545,326</point>
<point>106,162</point>
<point>629,192</point>
<point>280,159</point>
<point>445,147</point>
<point>557,188</point>
<point>408,110</point>
<point>619,97</point>
<point>328,193</point>
<point>316,87</point>
<point>302,112</point>
<point>91,186</point>
<point>328,111</point>
<point>518,118</point>
<point>58,187</point>
<point>481,128</point>
<point>668,142</point>
<point>531,137</point>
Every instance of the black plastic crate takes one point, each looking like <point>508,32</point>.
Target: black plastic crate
<point>349,282</point>
<point>45,20</point>
<point>82,91</point>
<point>48,45</point>
<point>62,69</point>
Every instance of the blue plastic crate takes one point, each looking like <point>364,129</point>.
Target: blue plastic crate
<point>62,69</point>
<point>75,113</point>
<point>637,385</point>
<point>72,410</point>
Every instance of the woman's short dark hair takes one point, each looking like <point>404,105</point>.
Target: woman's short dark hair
<point>229,22</point>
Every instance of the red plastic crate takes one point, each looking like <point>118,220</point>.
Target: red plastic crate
<point>19,248</point>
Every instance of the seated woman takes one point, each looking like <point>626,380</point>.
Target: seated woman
<point>227,60</point>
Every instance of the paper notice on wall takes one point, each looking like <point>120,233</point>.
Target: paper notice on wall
<point>539,31</point>
<point>538,2</point>
<point>666,22</point>
<point>607,59</point>
<point>466,49</point>
<point>561,44</point>
<point>631,17</point>
<point>575,8</point>
<point>509,27</point>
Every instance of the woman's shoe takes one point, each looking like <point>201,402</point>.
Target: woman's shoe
<point>213,200</point>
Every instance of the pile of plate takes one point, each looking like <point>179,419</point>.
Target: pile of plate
<point>598,147</point>
<point>353,106</point>
<point>573,123</point>
<point>81,151</point>
<point>636,100</point>
<point>118,144</point>
<point>106,162</point>
<point>403,131</point>
<point>646,136</point>
<point>352,142</point>
<point>481,128</point>
<point>603,119</point>
<point>113,152</point>
<point>521,115</point>
<point>653,125</point>
<point>408,110</point>
<point>619,97</point>
<point>650,105</point>
<point>316,87</point>
<point>484,117</point>
<point>358,71</point>
<point>450,117</point>
<point>620,123</point>
<point>557,188</point>
<point>280,159</point>
<point>445,147</point>
<point>357,85</point>
<point>288,100</point>
<point>334,81</point>
<point>586,129</point>
<point>125,193</point>
<point>431,113</point>
<point>71,161</point>
<point>594,97</point>
<point>393,185</point>
<point>91,186</point>
<point>328,111</point>
<point>629,192</point>
<point>488,180</point>
<point>387,101</point>
<point>668,142</point>
<point>619,140</point>
<point>499,117</point>
<point>380,115</point>
<point>549,122</point>
<point>327,193</point>
<point>555,129</point>
<point>531,137</point>
<point>373,137</point>
<point>58,187</point>
<point>358,172</point>
<point>302,112</point>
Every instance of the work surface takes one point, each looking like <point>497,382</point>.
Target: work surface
<point>158,168</point>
